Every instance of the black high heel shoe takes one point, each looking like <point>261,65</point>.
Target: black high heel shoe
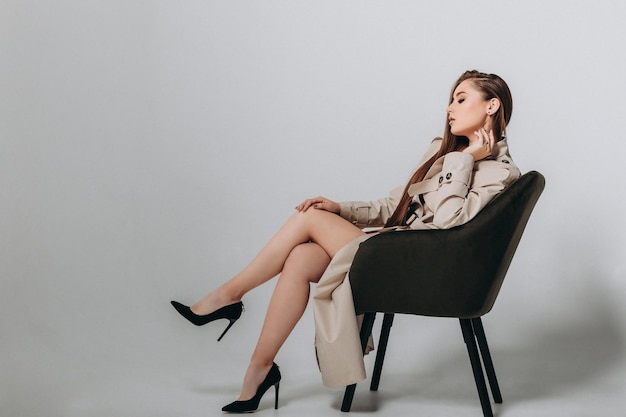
<point>272,378</point>
<point>231,312</point>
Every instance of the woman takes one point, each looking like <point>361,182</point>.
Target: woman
<point>457,177</point>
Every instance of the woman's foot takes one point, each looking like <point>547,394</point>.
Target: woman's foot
<point>255,374</point>
<point>271,378</point>
<point>213,302</point>
<point>231,312</point>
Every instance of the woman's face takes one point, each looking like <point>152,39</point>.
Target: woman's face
<point>468,111</point>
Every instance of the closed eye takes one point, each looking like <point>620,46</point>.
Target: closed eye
<point>460,96</point>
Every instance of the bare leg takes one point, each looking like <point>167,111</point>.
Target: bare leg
<point>305,264</point>
<point>329,231</point>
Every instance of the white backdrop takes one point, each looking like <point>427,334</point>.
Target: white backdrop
<point>148,149</point>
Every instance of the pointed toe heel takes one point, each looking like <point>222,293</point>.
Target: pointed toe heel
<point>271,379</point>
<point>231,312</point>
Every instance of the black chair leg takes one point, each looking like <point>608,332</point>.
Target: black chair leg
<point>348,395</point>
<point>479,378</point>
<point>382,348</point>
<point>366,331</point>
<point>479,331</point>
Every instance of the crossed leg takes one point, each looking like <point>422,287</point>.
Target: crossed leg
<point>305,265</point>
<point>328,230</point>
<point>300,251</point>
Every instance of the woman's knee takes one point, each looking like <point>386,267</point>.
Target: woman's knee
<point>307,261</point>
<point>315,217</point>
<point>326,229</point>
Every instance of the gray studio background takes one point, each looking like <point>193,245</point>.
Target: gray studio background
<point>148,149</point>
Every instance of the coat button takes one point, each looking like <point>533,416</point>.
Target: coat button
<point>440,180</point>
<point>448,176</point>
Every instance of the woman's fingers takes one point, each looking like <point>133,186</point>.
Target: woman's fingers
<point>483,144</point>
<point>319,203</point>
<point>306,204</point>
<point>485,138</point>
<point>492,139</point>
<point>491,142</point>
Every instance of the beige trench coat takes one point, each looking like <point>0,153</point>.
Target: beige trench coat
<point>453,191</point>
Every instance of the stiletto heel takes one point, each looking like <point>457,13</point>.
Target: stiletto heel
<point>273,378</point>
<point>230,324</point>
<point>231,312</point>
<point>276,395</point>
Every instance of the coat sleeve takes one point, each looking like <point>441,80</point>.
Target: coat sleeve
<point>376,213</point>
<point>464,189</point>
<point>371,213</point>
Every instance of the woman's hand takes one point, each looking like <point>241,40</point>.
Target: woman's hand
<point>319,203</point>
<point>481,146</point>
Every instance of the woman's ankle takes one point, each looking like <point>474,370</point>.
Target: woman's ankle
<point>214,301</point>
<point>255,374</point>
<point>260,364</point>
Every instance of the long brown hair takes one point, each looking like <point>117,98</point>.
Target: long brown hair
<point>491,86</point>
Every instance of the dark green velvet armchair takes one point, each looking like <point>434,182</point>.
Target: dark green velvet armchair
<point>456,272</point>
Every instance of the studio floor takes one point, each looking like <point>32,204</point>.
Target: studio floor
<point>576,370</point>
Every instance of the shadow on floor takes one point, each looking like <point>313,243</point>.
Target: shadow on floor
<point>555,357</point>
